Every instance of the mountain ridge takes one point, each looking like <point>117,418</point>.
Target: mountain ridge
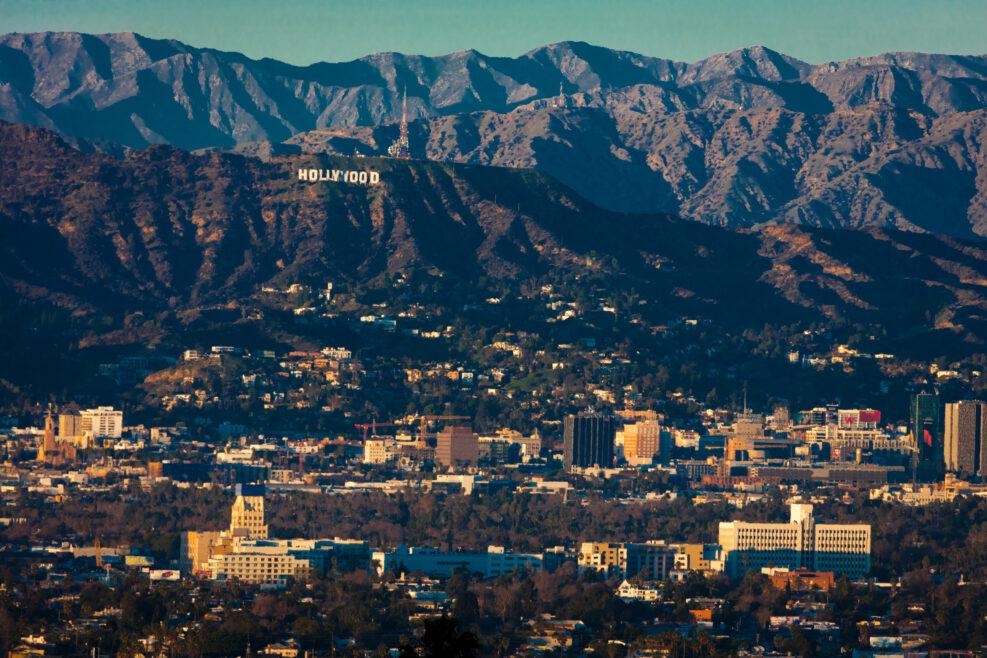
<point>511,82</point>
<point>750,137</point>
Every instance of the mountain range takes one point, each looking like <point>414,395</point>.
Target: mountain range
<point>747,138</point>
<point>164,229</point>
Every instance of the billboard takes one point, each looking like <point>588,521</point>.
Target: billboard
<point>165,574</point>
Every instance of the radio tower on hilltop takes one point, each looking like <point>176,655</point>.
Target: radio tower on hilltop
<point>401,148</point>
<point>560,99</point>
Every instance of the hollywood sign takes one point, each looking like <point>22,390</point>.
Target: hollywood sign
<point>337,176</point>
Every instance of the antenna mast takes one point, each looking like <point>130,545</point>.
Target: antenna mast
<point>401,148</point>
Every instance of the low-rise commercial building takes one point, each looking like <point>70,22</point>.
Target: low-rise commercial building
<point>704,558</point>
<point>651,561</point>
<point>432,562</point>
<point>274,560</point>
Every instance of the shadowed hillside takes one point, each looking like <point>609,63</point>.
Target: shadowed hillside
<point>165,228</point>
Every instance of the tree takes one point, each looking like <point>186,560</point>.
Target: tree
<point>442,639</point>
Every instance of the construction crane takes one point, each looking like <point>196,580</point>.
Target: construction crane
<point>371,426</point>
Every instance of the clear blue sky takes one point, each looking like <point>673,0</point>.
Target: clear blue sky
<point>306,31</point>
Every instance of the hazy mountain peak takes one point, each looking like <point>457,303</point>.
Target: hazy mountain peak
<point>744,137</point>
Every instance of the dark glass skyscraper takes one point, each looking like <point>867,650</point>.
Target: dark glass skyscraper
<point>925,422</point>
<point>588,440</point>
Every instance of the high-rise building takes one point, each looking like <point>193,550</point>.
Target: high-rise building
<point>799,544</point>
<point>69,426</point>
<point>80,427</point>
<point>645,440</point>
<point>588,440</point>
<point>924,422</point>
<point>966,430</point>
<point>244,552</point>
<point>248,517</point>
<point>375,451</point>
<point>198,547</point>
<point>457,446</point>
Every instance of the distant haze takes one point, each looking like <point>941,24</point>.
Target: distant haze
<point>305,31</point>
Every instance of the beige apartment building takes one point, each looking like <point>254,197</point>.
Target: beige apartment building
<point>644,440</point>
<point>252,562</point>
<point>81,428</point>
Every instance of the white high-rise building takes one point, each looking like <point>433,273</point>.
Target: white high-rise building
<point>375,451</point>
<point>101,422</point>
<point>799,544</point>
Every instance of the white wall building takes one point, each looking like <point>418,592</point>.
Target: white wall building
<point>274,560</point>
<point>375,451</point>
<point>101,422</point>
<point>800,543</point>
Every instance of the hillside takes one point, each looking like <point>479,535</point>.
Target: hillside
<point>163,228</point>
<point>738,139</point>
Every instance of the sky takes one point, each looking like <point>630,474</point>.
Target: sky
<point>306,31</point>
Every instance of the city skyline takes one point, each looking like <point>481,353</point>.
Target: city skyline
<point>536,344</point>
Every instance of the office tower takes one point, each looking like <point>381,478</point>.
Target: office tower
<point>966,430</point>
<point>100,422</point>
<point>924,422</point>
<point>69,426</point>
<point>375,451</point>
<point>588,440</point>
<point>645,440</point>
<point>247,517</point>
<point>457,446</point>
